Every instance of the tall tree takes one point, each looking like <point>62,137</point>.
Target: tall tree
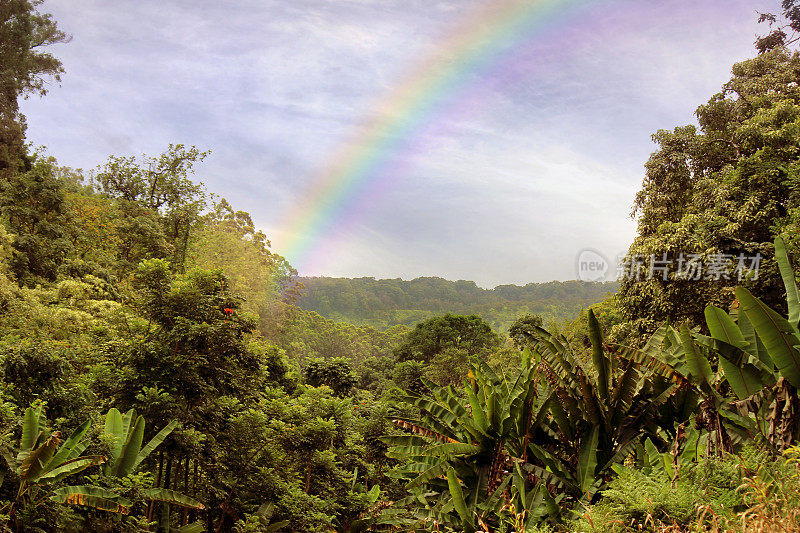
<point>722,190</point>
<point>24,69</point>
<point>782,32</point>
<point>469,334</point>
<point>32,204</point>
<point>336,373</point>
<point>229,240</point>
<point>160,203</point>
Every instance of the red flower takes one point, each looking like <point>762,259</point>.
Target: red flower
<point>228,311</point>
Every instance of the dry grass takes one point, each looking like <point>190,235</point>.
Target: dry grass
<point>771,494</point>
<point>774,501</point>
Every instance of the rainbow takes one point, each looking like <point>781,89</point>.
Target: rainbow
<point>348,183</point>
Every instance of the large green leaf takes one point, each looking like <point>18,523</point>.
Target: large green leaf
<point>113,426</point>
<point>787,273</point>
<point>587,460</point>
<point>673,352</point>
<point>551,504</point>
<point>91,496</point>
<point>199,527</point>
<point>458,497</point>
<point>755,346</point>
<point>477,410</point>
<point>130,452</point>
<point>552,478</point>
<point>113,429</point>
<point>491,408</point>
<point>730,343</point>
<point>432,472</point>
<point>34,462</point>
<point>155,442</point>
<point>624,391</point>
<point>65,452</point>
<point>553,467</point>
<point>78,449</point>
<point>30,429</point>
<point>744,379</point>
<point>593,409</point>
<point>520,480</point>
<point>446,450</point>
<point>561,418</point>
<point>778,335</point>
<point>601,362</point>
<point>624,450</point>
<point>723,327</point>
<point>173,497</point>
<point>405,440</point>
<point>71,467</point>
<point>699,367</point>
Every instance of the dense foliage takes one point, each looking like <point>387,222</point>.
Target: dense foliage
<point>156,373</point>
<point>382,303</point>
<point>720,190</point>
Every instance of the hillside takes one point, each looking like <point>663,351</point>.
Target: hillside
<point>382,303</point>
<point>157,376</point>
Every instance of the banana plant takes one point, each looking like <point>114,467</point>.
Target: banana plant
<point>601,410</point>
<point>461,448</point>
<point>779,336</point>
<point>759,355</point>
<point>42,461</point>
<point>126,433</point>
<point>688,355</point>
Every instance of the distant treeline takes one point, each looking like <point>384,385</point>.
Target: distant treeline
<point>383,303</point>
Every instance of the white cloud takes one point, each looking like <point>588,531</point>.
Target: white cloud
<point>504,182</point>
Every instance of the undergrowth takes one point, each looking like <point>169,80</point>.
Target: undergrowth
<point>747,492</point>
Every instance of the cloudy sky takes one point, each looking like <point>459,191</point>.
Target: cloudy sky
<point>531,156</point>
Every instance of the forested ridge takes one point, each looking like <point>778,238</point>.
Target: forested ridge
<point>382,303</point>
<point>162,368</point>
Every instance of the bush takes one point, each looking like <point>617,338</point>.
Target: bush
<point>702,493</point>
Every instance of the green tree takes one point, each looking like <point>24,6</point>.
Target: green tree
<point>160,204</point>
<point>228,240</point>
<point>523,327</point>
<point>408,376</point>
<point>782,32</point>
<point>33,208</point>
<point>467,333</point>
<point>727,187</point>
<point>24,32</point>
<point>195,345</point>
<point>335,373</point>
<point>449,367</point>
<point>191,363</point>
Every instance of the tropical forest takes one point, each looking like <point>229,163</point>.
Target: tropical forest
<point>167,365</point>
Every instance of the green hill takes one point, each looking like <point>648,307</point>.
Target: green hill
<point>382,303</point>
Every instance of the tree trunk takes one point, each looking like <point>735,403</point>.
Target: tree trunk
<point>185,517</point>
<point>158,482</point>
<point>165,510</point>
